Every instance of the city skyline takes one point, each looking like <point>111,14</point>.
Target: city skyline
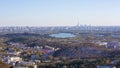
<point>59,13</point>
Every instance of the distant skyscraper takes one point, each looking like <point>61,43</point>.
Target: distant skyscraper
<point>78,24</point>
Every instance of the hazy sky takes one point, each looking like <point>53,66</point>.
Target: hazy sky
<point>59,12</point>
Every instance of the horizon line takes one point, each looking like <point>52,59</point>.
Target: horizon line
<point>68,26</point>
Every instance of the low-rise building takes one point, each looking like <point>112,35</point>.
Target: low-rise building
<point>12,59</point>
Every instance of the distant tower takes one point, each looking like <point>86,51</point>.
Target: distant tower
<point>78,24</point>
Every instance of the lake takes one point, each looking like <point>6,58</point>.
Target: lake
<point>63,35</point>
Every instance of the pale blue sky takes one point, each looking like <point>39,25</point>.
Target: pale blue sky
<point>59,12</point>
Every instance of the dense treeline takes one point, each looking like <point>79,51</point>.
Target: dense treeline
<point>80,63</point>
<point>73,49</point>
